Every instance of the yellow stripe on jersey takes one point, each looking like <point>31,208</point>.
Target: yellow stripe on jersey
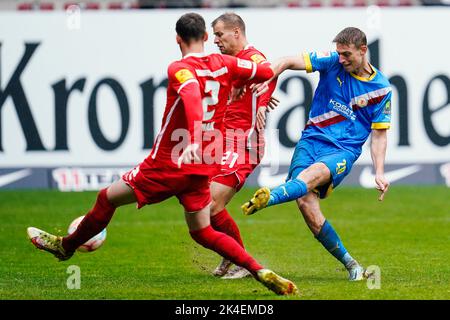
<point>183,75</point>
<point>381,125</point>
<point>374,73</point>
<point>258,58</point>
<point>308,63</point>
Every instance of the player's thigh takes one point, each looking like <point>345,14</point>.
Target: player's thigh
<point>302,158</point>
<point>339,163</point>
<point>119,193</point>
<point>315,175</point>
<point>196,193</point>
<point>221,195</point>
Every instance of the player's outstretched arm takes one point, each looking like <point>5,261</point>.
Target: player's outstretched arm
<point>245,70</point>
<point>278,67</point>
<point>378,152</point>
<point>288,63</point>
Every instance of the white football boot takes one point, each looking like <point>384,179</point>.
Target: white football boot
<point>356,272</point>
<point>222,268</point>
<point>236,273</point>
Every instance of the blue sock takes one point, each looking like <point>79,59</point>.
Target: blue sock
<point>331,241</point>
<point>288,191</point>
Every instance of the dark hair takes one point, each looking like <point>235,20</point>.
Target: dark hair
<point>191,26</point>
<point>230,19</point>
<point>350,36</point>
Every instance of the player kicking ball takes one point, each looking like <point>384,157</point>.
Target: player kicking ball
<point>183,172</point>
<point>351,102</point>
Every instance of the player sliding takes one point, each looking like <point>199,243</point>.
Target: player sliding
<point>182,160</point>
<point>244,148</point>
<point>352,101</point>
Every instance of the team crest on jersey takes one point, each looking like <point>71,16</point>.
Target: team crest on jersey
<point>341,166</point>
<point>323,54</point>
<point>362,102</point>
<point>258,58</point>
<point>387,108</point>
<point>183,75</point>
<point>244,64</point>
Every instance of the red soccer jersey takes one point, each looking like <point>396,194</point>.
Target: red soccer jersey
<point>241,114</point>
<point>197,93</point>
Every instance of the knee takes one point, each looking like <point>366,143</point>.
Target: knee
<point>216,207</point>
<point>315,175</point>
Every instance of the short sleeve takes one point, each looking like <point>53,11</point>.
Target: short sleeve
<point>320,61</point>
<point>179,76</point>
<point>243,70</point>
<point>240,69</point>
<point>258,58</point>
<point>382,113</point>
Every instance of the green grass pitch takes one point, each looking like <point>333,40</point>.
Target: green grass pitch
<point>149,254</point>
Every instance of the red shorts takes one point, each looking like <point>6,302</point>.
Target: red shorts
<point>154,182</point>
<point>237,165</point>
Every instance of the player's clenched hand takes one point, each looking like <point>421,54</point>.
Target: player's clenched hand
<point>382,185</point>
<point>189,154</point>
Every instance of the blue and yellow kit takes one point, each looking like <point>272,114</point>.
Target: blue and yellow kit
<point>344,110</point>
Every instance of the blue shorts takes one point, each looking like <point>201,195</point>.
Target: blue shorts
<point>309,151</point>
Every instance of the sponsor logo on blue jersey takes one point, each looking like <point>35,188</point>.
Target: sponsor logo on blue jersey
<point>343,109</point>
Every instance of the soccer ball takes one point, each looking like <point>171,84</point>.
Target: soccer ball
<point>92,244</point>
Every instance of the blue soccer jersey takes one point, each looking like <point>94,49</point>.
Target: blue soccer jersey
<point>345,107</point>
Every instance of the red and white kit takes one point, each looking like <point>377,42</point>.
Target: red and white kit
<point>197,94</point>
<point>243,144</point>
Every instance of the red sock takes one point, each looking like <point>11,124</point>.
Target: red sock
<point>227,247</point>
<point>93,223</point>
<point>223,222</point>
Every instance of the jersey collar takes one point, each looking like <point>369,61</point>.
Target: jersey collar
<point>365,79</point>
<point>195,54</point>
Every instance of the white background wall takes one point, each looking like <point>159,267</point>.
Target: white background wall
<point>133,47</point>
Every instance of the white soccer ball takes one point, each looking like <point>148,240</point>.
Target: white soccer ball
<point>92,244</point>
